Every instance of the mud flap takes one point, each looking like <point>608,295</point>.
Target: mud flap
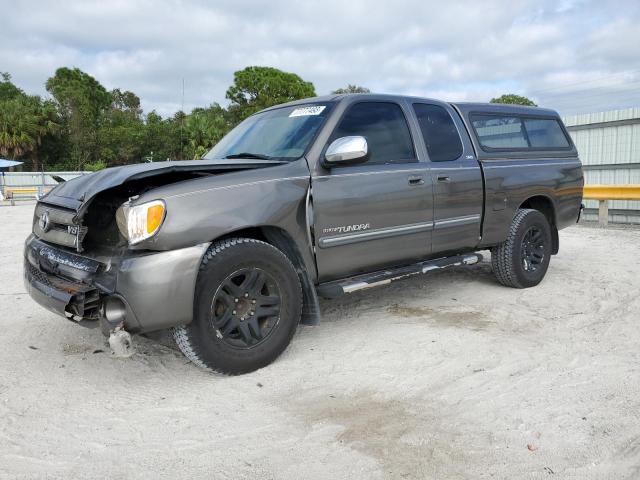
<point>310,303</point>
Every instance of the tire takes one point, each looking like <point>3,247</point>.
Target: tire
<point>239,325</point>
<point>522,260</point>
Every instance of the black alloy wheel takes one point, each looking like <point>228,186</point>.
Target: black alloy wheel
<point>246,308</point>
<point>522,260</point>
<point>247,305</point>
<point>532,249</point>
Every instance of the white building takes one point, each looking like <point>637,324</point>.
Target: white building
<point>609,147</point>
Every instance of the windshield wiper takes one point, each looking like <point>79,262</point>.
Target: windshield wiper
<point>249,155</point>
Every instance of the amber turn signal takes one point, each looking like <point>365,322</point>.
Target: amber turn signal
<point>155,214</point>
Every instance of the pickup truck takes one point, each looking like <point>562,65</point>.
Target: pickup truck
<point>318,197</point>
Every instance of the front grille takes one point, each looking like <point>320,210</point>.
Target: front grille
<point>59,226</point>
<point>39,275</point>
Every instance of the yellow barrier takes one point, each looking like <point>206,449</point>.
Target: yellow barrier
<point>604,193</point>
<point>35,192</point>
<point>11,191</point>
<point>612,192</point>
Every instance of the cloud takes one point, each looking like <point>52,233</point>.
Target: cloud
<point>573,55</point>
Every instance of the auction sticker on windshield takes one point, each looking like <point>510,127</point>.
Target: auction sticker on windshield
<point>305,111</point>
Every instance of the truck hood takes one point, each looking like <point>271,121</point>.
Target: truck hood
<point>77,193</point>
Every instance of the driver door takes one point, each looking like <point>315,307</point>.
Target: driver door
<point>375,214</point>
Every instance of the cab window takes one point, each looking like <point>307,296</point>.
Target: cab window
<point>384,126</point>
<point>439,132</point>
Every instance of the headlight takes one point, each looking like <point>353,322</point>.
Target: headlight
<point>139,222</point>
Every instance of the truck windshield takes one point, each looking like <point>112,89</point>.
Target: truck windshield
<point>280,134</point>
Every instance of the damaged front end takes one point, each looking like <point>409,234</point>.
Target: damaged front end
<point>140,291</point>
<point>81,263</point>
<point>63,282</point>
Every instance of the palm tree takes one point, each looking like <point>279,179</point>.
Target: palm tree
<point>16,129</point>
<point>24,122</point>
<point>205,127</point>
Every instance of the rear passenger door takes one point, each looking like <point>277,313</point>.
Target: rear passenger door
<point>456,177</point>
<point>375,214</point>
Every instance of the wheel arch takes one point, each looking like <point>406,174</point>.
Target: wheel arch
<point>305,267</point>
<point>545,205</point>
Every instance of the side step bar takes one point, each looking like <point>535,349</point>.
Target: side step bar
<point>338,288</point>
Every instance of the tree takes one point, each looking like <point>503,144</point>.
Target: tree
<point>24,122</point>
<point>204,128</point>
<point>512,98</point>
<point>85,126</point>
<point>121,130</point>
<point>120,139</point>
<point>255,88</point>
<point>126,101</point>
<point>162,137</point>
<point>81,101</point>
<point>351,89</point>
<point>48,127</point>
<point>7,89</point>
<point>17,128</point>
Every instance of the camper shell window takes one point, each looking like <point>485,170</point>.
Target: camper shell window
<point>509,132</point>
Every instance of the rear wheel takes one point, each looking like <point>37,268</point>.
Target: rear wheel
<point>522,260</point>
<point>247,307</point>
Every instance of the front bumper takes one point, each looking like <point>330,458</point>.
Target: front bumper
<point>155,289</point>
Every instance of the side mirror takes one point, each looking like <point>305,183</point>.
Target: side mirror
<point>347,151</point>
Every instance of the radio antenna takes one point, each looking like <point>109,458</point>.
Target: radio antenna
<point>182,124</point>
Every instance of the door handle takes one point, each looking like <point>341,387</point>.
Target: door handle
<point>416,180</point>
<point>444,178</point>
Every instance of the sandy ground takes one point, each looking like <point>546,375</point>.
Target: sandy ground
<point>447,376</point>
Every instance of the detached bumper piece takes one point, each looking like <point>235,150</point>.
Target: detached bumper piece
<point>43,277</point>
<point>383,277</point>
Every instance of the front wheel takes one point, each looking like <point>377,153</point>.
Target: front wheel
<point>522,260</point>
<point>248,304</point>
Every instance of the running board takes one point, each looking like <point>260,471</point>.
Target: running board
<point>338,288</point>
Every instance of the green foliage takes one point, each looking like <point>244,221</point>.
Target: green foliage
<point>25,121</point>
<point>8,90</point>
<point>77,92</point>
<point>351,89</point>
<point>17,128</point>
<point>205,127</point>
<point>87,127</point>
<point>95,166</point>
<point>162,139</point>
<point>121,130</point>
<point>512,98</point>
<point>127,102</point>
<point>82,102</point>
<point>256,88</point>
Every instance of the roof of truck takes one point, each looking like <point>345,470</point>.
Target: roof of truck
<point>467,107</point>
<point>464,107</point>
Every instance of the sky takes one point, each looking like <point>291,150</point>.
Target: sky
<point>571,55</point>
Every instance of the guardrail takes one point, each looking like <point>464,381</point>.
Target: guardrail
<point>604,193</point>
<point>12,194</point>
<point>15,186</point>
